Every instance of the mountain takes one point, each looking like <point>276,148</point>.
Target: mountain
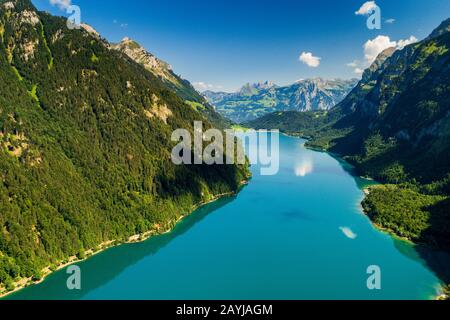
<point>394,126</point>
<point>256,100</point>
<point>443,28</point>
<point>172,81</point>
<point>85,146</point>
<point>255,88</point>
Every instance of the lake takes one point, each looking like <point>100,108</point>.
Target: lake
<point>300,234</point>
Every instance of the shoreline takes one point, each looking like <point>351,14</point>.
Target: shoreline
<point>443,294</point>
<point>391,232</point>
<point>137,238</point>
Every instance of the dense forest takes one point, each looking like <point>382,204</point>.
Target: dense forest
<point>85,146</point>
<point>394,127</point>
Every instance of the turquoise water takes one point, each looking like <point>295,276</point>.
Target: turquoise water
<point>300,234</point>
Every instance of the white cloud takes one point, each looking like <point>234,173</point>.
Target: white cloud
<point>61,4</point>
<point>366,8</point>
<point>310,60</point>
<point>203,86</point>
<point>390,21</point>
<point>403,43</point>
<point>372,48</point>
<point>357,67</point>
<point>353,64</point>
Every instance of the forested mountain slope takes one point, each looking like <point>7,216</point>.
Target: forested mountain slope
<point>85,150</point>
<point>172,81</point>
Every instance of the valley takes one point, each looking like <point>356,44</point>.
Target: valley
<point>393,126</point>
<point>256,100</point>
<point>158,188</point>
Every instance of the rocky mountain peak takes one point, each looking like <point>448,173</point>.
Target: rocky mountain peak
<point>17,5</point>
<point>259,99</point>
<point>378,63</point>
<point>139,54</point>
<point>89,29</point>
<point>164,72</point>
<point>250,89</point>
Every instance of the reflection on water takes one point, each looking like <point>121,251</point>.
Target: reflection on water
<point>348,233</point>
<point>305,167</point>
<point>279,239</point>
<point>111,262</point>
<point>438,261</point>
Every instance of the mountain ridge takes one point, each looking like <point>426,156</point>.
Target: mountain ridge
<point>174,82</point>
<point>255,100</point>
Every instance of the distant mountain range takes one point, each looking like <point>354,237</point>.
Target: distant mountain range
<point>256,100</point>
<point>394,126</point>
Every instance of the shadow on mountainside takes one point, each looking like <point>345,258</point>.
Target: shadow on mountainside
<point>438,233</point>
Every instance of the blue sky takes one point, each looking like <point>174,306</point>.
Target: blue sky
<point>223,44</point>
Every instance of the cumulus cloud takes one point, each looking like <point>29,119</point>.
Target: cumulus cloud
<point>203,86</point>
<point>403,43</point>
<point>309,59</point>
<point>366,8</point>
<point>61,4</point>
<point>372,48</point>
